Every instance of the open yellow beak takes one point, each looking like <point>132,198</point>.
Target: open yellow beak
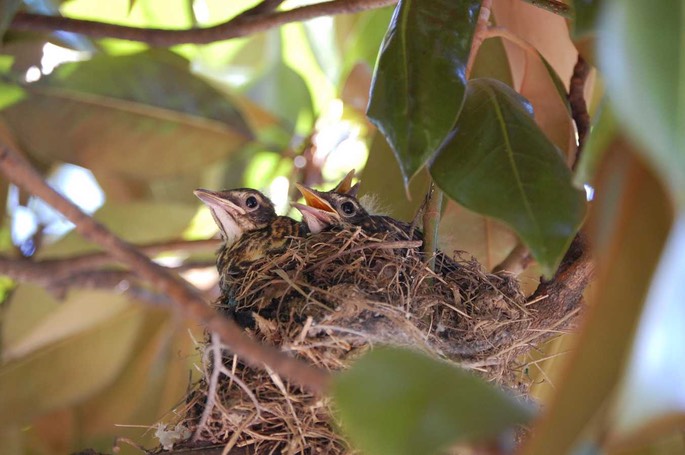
<point>314,200</point>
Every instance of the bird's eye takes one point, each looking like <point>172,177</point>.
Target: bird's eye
<point>347,208</point>
<point>251,202</point>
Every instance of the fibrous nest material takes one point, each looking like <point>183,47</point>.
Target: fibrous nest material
<point>327,299</point>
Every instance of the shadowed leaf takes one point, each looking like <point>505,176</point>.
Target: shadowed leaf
<point>418,87</point>
<point>498,163</point>
<point>399,402</point>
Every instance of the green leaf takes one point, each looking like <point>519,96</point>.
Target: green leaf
<point>492,61</point>
<point>420,79</point>
<point>585,14</point>
<point>497,162</point>
<point>641,56</point>
<point>603,133</point>
<point>8,8</point>
<point>282,91</point>
<point>67,372</point>
<point>10,94</point>
<point>142,116</point>
<point>628,225</point>
<point>399,402</point>
<point>365,42</point>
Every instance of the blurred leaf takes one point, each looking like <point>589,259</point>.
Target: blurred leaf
<point>135,222</point>
<point>137,115</point>
<point>545,92</point>
<point>603,133</point>
<point>492,61</point>
<point>320,34</point>
<point>381,181</point>
<point>545,31</point>
<point>28,306</point>
<point>630,220</point>
<point>653,387</point>
<point>365,42</point>
<point>140,381</point>
<point>282,91</point>
<point>7,10</point>
<point>78,367</point>
<point>11,440</point>
<point>419,84</point>
<point>485,238</point>
<point>355,91</point>
<point>585,17</point>
<point>80,312</point>
<point>498,163</point>
<point>397,402</point>
<point>646,100</point>
<point>10,94</point>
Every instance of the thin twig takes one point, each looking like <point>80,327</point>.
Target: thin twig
<point>431,222</point>
<point>241,25</point>
<point>187,299</point>
<point>479,34</point>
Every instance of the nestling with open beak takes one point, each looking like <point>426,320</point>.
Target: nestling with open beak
<point>251,231</point>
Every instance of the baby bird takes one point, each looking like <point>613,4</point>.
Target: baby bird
<point>251,231</point>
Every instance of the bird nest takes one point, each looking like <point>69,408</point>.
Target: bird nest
<point>327,299</point>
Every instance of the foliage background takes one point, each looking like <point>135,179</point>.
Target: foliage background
<point>286,105</point>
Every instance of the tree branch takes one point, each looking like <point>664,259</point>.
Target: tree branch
<point>187,299</point>
<point>248,23</point>
<point>576,98</point>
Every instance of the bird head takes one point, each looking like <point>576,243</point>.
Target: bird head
<point>238,211</point>
<point>329,208</point>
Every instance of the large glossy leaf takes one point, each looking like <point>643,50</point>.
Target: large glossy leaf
<point>399,402</point>
<point>420,78</point>
<point>641,53</point>
<point>66,372</point>
<point>629,221</point>
<point>142,116</point>
<point>653,388</point>
<point>497,162</point>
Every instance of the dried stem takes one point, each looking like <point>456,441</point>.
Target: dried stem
<point>253,21</point>
<point>187,299</point>
<point>431,222</point>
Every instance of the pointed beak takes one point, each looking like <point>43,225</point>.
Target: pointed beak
<point>345,184</point>
<point>316,219</point>
<point>314,200</point>
<point>215,201</point>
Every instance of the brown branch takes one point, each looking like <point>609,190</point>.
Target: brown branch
<point>241,25</point>
<point>576,98</point>
<point>61,268</point>
<point>187,299</point>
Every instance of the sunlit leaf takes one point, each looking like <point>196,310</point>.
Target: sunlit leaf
<point>80,312</point>
<point>365,42</point>
<point>400,402</point>
<point>492,61</point>
<point>420,78</point>
<point>142,116</point>
<point>382,181</point>
<point>545,31</point>
<point>66,372</point>
<point>543,89</point>
<point>29,305</point>
<point>630,220</point>
<point>10,94</point>
<point>497,162</point>
<point>645,79</point>
<point>282,91</point>
<point>487,239</point>
<point>136,222</point>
